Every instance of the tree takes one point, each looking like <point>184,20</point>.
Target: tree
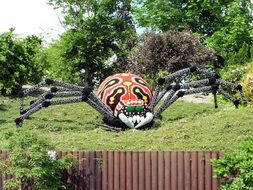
<point>97,31</point>
<point>224,25</point>
<point>203,17</point>
<point>235,32</point>
<point>168,52</point>
<point>18,64</point>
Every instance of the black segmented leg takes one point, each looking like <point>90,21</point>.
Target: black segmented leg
<point>176,76</point>
<point>45,104</point>
<point>229,97</point>
<point>48,102</point>
<point>49,95</point>
<point>215,99</point>
<point>76,94</point>
<point>155,98</point>
<point>175,90</point>
<point>179,74</point>
<point>60,86</point>
<point>229,85</point>
<point>206,73</point>
<point>177,94</point>
<point>98,102</point>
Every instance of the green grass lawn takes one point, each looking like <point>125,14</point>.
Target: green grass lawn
<point>185,126</point>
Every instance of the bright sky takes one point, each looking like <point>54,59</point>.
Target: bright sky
<point>30,17</point>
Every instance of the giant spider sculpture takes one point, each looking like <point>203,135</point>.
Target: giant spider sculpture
<point>126,100</point>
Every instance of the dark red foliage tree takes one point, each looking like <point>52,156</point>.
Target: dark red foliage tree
<point>169,52</point>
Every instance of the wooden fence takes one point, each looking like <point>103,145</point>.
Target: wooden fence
<point>128,170</point>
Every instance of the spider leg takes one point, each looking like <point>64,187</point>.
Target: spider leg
<point>96,103</point>
<point>44,104</point>
<point>212,84</point>
<point>48,102</point>
<point>77,94</point>
<point>94,98</point>
<point>229,97</point>
<point>49,95</point>
<point>229,85</point>
<point>176,93</point>
<point>45,83</point>
<point>176,76</point>
<point>162,81</point>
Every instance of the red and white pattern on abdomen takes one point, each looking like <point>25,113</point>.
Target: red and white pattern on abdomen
<point>125,88</point>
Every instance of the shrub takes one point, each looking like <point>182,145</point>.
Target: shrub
<point>247,83</point>
<point>168,52</point>
<point>241,57</point>
<point>236,168</point>
<point>233,73</point>
<point>29,162</point>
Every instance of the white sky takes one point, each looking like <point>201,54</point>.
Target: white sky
<point>30,17</point>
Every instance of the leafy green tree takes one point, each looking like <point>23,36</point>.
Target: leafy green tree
<point>18,64</point>
<point>236,31</point>
<point>30,164</point>
<point>97,31</point>
<point>203,17</point>
<point>57,66</point>
<point>224,25</point>
<point>236,168</point>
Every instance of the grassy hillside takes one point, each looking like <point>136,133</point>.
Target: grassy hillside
<point>185,126</point>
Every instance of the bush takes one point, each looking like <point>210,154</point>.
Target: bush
<point>236,168</point>
<point>18,64</point>
<point>247,83</point>
<point>29,162</point>
<point>168,52</point>
<point>233,73</point>
<point>241,57</point>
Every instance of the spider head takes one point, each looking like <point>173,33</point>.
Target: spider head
<point>133,113</point>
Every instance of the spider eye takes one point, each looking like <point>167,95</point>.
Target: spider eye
<point>130,108</point>
<point>139,108</point>
<point>135,108</point>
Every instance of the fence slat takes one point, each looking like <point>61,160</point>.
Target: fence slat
<point>98,170</point>
<point>110,170</point>
<point>82,169</point>
<point>92,170</point>
<point>154,170</point>
<point>135,171</point>
<point>194,170</point>
<point>180,173</point>
<point>160,170</point>
<point>105,169</point>
<point>215,183</point>
<point>201,170</point>
<point>141,170</point>
<point>208,172</point>
<point>148,171</point>
<point>187,171</point>
<point>116,170</point>
<point>167,172</point>
<point>174,170</point>
<point>123,170</point>
<point>129,175</point>
<point>76,180</point>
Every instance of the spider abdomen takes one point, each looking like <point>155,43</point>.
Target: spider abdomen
<point>124,87</point>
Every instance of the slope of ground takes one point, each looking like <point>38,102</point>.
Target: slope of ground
<point>184,126</point>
